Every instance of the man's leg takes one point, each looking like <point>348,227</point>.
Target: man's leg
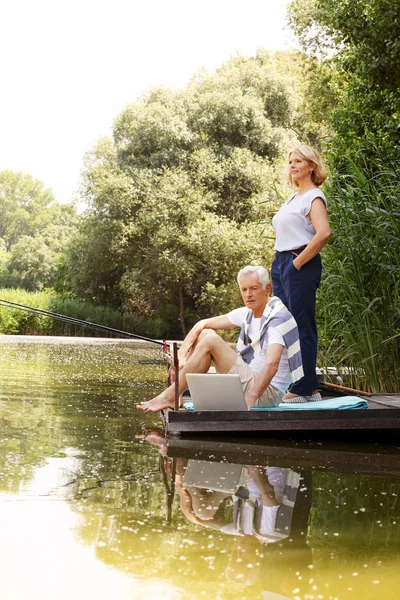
<point>210,346</point>
<point>270,397</point>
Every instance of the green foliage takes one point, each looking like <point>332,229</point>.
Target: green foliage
<point>18,322</point>
<point>174,199</point>
<point>362,39</point>
<point>361,290</point>
<point>26,208</point>
<point>93,265</point>
<point>154,133</point>
<point>32,264</point>
<point>359,312</point>
<point>34,231</point>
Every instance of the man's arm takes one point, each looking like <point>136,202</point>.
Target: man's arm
<point>267,491</point>
<point>220,322</point>
<point>273,356</point>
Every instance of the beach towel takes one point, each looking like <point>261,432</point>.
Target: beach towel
<point>342,403</point>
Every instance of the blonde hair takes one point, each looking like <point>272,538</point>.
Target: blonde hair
<point>311,155</point>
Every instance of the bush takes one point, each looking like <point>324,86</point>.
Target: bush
<point>19,322</point>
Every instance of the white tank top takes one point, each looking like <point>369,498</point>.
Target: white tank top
<point>292,227</point>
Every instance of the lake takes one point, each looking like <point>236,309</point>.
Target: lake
<point>96,504</point>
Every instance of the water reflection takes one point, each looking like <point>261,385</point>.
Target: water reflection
<point>96,503</point>
<point>297,532</point>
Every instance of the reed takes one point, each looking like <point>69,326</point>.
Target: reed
<point>358,309</point>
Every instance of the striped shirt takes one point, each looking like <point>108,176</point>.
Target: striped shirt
<point>275,315</point>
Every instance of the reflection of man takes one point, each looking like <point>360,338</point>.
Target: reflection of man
<point>267,356</point>
<point>284,565</point>
<point>271,507</point>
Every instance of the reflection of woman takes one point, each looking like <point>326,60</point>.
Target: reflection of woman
<point>302,230</point>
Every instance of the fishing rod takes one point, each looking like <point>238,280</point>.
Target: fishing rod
<point>74,321</point>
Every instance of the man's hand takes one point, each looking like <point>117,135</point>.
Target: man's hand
<point>171,370</point>
<point>251,397</point>
<point>273,356</point>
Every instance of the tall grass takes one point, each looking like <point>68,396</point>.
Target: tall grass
<point>359,310</point>
<point>15,321</point>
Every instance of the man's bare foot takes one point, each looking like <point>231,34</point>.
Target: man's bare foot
<point>156,404</point>
<point>153,435</point>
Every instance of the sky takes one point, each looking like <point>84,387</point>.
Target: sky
<point>69,68</point>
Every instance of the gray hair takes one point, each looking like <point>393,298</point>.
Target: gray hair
<point>262,273</point>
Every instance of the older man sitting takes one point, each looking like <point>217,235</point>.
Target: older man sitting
<point>267,357</point>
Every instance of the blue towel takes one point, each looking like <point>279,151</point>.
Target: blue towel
<point>342,403</point>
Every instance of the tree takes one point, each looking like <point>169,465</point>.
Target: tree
<point>34,231</point>
<point>359,298</point>
<point>25,207</point>
<point>32,264</point>
<point>362,39</point>
<point>176,195</point>
<point>94,264</point>
<point>181,246</point>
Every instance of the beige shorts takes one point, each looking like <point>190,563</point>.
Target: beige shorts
<point>271,397</point>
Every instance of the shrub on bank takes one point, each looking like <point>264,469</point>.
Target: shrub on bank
<point>14,321</point>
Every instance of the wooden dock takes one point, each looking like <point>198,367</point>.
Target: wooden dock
<point>383,413</point>
<point>331,457</point>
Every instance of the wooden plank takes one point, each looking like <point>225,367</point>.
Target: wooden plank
<point>390,401</point>
<point>214,421</point>
<point>234,426</point>
<point>284,415</point>
<point>312,425</point>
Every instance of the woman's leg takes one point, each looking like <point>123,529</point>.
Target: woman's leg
<point>276,277</point>
<point>300,289</point>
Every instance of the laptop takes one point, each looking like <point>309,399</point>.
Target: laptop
<point>221,477</point>
<point>215,391</point>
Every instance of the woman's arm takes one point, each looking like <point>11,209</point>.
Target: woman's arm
<point>319,219</point>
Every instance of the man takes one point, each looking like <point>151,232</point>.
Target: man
<point>267,357</point>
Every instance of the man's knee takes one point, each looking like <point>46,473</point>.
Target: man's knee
<point>210,340</point>
<point>213,343</point>
<point>208,335</point>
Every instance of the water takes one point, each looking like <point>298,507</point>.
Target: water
<point>94,504</point>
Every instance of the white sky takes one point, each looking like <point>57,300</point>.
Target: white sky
<point>69,67</point>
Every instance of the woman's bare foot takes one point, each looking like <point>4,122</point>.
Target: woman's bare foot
<point>156,404</point>
<point>289,396</point>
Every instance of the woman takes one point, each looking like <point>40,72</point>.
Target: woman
<point>302,230</point>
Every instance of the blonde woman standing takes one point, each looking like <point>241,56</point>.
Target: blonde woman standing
<point>302,230</point>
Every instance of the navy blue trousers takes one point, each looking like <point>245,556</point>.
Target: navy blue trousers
<point>297,290</point>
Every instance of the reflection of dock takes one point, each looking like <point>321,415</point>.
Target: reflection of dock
<point>360,459</point>
<point>383,413</point>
